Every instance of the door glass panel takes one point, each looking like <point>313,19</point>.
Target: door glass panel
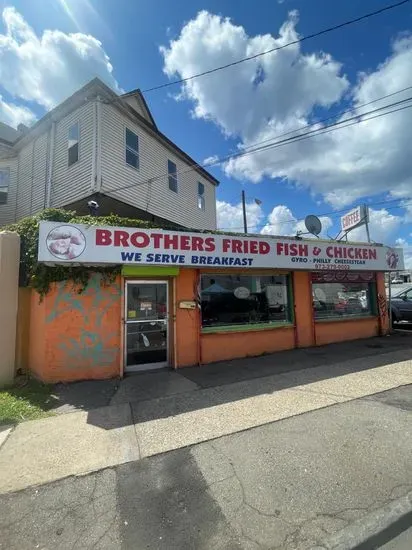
<point>146,342</point>
<point>146,301</point>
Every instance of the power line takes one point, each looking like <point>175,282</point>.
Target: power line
<point>277,48</point>
<point>318,131</point>
<point>322,121</point>
<point>334,214</point>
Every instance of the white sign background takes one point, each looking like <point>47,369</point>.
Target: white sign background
<point>80,244</point>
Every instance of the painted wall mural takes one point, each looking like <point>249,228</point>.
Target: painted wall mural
<point>83,330</point>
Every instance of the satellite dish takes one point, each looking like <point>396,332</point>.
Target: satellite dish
<point>313,224</point>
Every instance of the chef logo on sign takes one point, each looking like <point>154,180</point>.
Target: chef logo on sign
<point>66,242</point>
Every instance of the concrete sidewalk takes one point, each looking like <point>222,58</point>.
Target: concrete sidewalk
<point>41,451</point>
<point>337,478</point>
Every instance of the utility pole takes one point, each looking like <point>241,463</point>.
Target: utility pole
<point>366,217</point>
<point>244,212</point>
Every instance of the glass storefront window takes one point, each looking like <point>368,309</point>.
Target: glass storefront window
<point>342,294</point>
<point>228,300</point>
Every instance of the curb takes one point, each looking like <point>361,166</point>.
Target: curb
<point>5,431</point>
<point>374,529</point>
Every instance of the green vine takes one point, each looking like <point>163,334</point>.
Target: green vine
<point>40,276</point>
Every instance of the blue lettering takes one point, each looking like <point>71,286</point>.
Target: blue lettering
<point>158,258</point>
<point>149,258</point>
<point>195,259</point>
<point>127,256</point>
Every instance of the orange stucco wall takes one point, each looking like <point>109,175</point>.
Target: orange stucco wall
<point>229,345</point>
<point>339,331</point>
<point>187,325</point>
<point>79,336</point>
<point>76,336</point>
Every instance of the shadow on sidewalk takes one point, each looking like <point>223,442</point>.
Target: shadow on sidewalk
<point>163,394</point>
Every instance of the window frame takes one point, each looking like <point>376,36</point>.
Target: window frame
<point>258,326</point>
<point>201,201</point>
<point>341,317</point>
<point>131,150</point>
<point>5,169</point>
<point>77,123</point>
<point>172,176</point>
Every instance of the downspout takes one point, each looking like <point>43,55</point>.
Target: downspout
<point>93,178</point>
<point>98,144</point>
<point>50,165</point>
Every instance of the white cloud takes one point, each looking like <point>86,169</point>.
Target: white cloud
<point>281,221</point>
<point>13,114</point>
<point>230,216</point>
<point>278,92</point>
<point>383,226</point>
<point>210,160</point>
<point>407,252</point>
<point>47,69</point>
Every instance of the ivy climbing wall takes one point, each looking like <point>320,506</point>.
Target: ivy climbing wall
<point>77,336</point>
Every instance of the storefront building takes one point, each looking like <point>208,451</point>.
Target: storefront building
<point>186,299</point>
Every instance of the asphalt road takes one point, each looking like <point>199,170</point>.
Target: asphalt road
<point>402,542</point>
<point>287,485</point>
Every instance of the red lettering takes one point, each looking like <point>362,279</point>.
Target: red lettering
<point>337,252</point>
<point>365,254</point>
<point>358,253</point>
<point>210,244</point>
<point>143,242</point>
<point>253,247</point>
<point>350,253</point>
<point>237,246</point>
<point>156,237</point>
<point>121,238</point>
<point>372,254</point>
<point>184,242</point>
<point>329,251</point>
<point>303,250</point>
<point>264,248</point>
<point>293,249</point>
<point>103,237</point>
<point>171,241</point>
<point>226,245</point>
<point>279,249</point>
<point>197,244</point>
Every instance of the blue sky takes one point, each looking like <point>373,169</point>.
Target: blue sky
<point>218,114</point>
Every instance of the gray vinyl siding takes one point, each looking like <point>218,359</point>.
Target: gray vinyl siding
<point>31,177</point>
<point>38,187</point>
<point>24,180</point>
<point>70,183</point>
<point>156,197</point>
<point>7,211</point>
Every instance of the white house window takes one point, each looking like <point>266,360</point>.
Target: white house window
<point>200,195</point>
<point>73,144</point>
<point>132,149</point>
<point>172,171</point>
<point>4,184</point>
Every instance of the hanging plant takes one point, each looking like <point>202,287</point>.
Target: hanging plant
<point>40,276</point>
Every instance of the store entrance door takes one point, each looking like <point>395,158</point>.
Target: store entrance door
<point>146,325</point>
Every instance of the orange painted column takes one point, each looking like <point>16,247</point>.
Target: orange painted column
<point>187,341</point>
<point>302,291</point>
<point>382,304</point>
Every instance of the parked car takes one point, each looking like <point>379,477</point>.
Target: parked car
<point>397,281</point>
<point>401,305</point>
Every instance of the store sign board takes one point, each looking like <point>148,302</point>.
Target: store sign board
<point>356,217</point>
<point>81,244</point>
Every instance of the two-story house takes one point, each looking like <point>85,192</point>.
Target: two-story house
<point>102,146</point>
